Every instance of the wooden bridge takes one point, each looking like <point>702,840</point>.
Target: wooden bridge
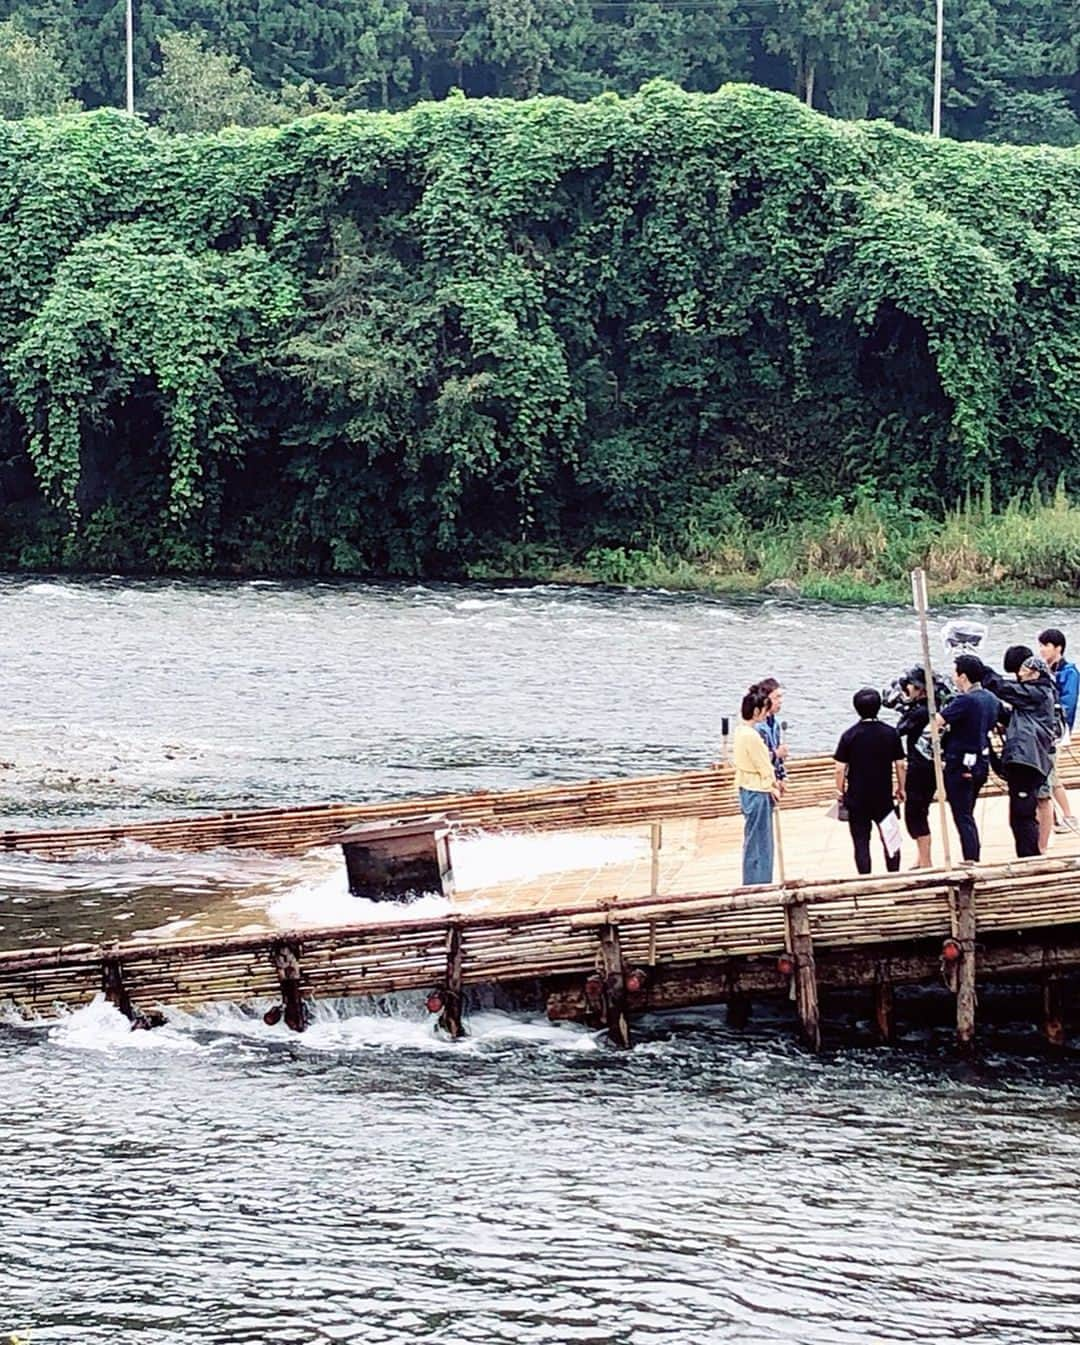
<point>606,949</point>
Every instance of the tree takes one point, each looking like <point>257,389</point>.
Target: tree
<point>200,89</point>
<point>33,82</point>
<point>1014,71</point>
<point>1033,117</point>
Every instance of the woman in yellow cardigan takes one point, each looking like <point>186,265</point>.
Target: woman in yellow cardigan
<point>759,792</point>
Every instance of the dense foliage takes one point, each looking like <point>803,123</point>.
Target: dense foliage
<point>476,330</point>
<point>1012,66</point>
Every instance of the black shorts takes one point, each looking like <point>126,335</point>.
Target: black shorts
<point>919,792</point>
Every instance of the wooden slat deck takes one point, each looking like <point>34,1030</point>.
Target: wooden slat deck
<point>593,804</point>
<point>704,855</point>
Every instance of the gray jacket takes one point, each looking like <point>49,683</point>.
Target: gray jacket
<point>1030,719</point>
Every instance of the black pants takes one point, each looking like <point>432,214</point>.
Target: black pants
<point>962,785</point>
<point>1024,783</point>
<point>860,825</point>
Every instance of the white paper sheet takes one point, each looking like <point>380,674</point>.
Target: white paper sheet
<point>890,833</point>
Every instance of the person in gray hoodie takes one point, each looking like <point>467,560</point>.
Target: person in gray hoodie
<point>1027,757</point>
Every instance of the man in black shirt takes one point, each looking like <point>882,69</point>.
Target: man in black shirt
<point>865,758</point>
<point>968,718</point>
<point>920,787</point>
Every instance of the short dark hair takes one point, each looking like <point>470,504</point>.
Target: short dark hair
<point>752,702</point>
<point>971,666</point>
<point>766,686</point>
<point>867,702</point>
<point>1051,635</point>
<point>1014,657</point>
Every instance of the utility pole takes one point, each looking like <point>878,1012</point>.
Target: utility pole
<point>939,56</point>
<point>131,58</point>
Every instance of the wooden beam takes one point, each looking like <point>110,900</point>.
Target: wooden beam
<point>965,987</point>
<point>611,964</point>
<point>884,1004</point>
<point>450,1018</point>
<point>286,960</point>
<point>686,984</point>
<point>115,989</point>
<point>1053,997</point>
<point>806,989</point>
<point>112,983</point>
<point>738,1000</point>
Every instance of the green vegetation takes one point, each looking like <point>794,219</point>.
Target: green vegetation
<point>1029,552</point>
<point>1012,67</point>
<point>507,336</point>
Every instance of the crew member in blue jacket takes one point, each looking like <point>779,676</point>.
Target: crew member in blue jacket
<point>1067,678</point>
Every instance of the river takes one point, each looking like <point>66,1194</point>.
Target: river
<point>224,1182</point>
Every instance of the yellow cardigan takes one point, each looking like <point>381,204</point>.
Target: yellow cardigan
<point>753,765</point>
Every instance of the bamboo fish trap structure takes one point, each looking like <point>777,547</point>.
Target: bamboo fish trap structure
<point>597,960</point>
<point>604,962</point>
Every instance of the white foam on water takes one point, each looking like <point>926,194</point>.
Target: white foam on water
<point>485,859</point>
<point>480,860</point>
<point>326,900</point>
<point>99,1026</point>
<point>395,1023</point>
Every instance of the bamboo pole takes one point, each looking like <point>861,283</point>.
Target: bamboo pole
<point>918,588</point>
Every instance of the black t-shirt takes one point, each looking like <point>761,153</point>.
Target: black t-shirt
<point>868,749</point>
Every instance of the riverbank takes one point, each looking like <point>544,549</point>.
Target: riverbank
<point>1027,554</point>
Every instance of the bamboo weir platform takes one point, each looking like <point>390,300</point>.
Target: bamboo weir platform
<point>667,927</point>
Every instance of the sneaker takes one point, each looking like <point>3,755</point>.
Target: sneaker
<point>1066,826</point>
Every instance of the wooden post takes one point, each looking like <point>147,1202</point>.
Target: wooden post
<point>614,986</point>
<point>112,983</point>
<point>738,1001</point>
<point>965,979</point>
<point>1053,1002</point>
<point>806,995</point>
<point>656,836</point>
<point>450,1018</point>
<point>918,590</point>
<point>287,965</point>
<point>884,1004</point>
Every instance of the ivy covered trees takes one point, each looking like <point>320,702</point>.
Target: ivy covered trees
<point>1012,67</point>
<point>411,343</point>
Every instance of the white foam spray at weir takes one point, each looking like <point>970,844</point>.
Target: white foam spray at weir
<point>100,1026</point>
<point>484,859</point>
<point>400,1023</point>
<point>395,1023</point>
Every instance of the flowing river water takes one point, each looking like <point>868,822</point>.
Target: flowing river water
<point>226,1182</point>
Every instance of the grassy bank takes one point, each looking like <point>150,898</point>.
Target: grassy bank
<point>1028,552</point>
